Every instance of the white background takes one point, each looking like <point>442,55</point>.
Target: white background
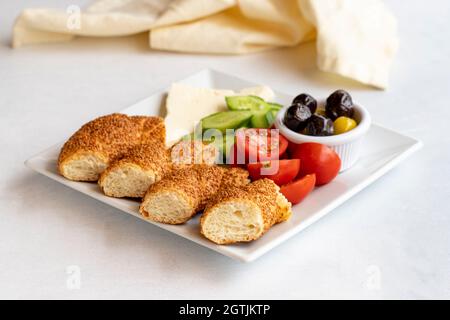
<point>390,241</point>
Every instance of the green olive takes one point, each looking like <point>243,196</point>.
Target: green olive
<point>344,124</point>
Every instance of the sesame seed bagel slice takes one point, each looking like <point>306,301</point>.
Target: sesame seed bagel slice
<point>234,220</point>
<point>127,180</point>
<point>132,175</point>
<point>244,214</point>
<point>183,193</point>
<point>171,206</point>
<point>91,149</point>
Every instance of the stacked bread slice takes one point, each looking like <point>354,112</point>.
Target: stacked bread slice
<point>178,197</point>
<point>98,143</point>
<point>143,165</point>
<point>129,158</point>
<point>132,175</point>
<point>148,163</point>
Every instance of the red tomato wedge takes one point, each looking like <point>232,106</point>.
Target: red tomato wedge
<point>279,171</point>
<point>317,158</point>
<point>257,145</point>
<point>297,190</point>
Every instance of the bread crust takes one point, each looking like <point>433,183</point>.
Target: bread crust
<point>106,139</point>
<point>234,178</point>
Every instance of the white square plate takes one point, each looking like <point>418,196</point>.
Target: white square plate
<point>383,149</point>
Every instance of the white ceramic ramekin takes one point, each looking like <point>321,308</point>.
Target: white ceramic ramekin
<point>347,145</point>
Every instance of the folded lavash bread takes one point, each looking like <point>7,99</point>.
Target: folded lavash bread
<point>354,38</point>
<point>90,150</point>
<point>242,214</point>
<point>179,196</point>
<point>148,163</point>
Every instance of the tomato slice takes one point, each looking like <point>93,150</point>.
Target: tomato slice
<point>257,145</point>
<point>279,171</point>
<point>317,158</point>
<point>296,191</point>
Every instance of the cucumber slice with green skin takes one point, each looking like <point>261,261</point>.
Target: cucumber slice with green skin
<point>226,120</point>
<point>271,116</point>
<point>246,124</point>
<point>259,121</point>
<point>252,103</point>
<point>274,106</point>
<point>263,120</point>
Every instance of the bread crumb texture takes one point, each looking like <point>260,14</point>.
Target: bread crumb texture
<point>239,214</point>
<point>197,183</point>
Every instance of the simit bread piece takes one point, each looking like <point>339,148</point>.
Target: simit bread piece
<point>141,166</point>
<point>132,175</point>
<point>153,131</point>
<point>233,178</point>
<point>96,144</point>
<point>190,152</point>
<point>244,214</point>
<point>178,197</point>
<point>148,163</point>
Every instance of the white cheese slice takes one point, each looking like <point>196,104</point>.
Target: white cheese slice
<point>186,105</point>
<point>261,91</point>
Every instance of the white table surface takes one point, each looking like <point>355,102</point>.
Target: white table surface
<point>390,241</point>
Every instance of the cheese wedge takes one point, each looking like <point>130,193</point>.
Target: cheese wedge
<point>186,105</point>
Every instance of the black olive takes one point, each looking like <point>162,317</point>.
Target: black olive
<point>306,100</point>
<point>319,126</point>
<point>339,104</point>
<point>296,117</point>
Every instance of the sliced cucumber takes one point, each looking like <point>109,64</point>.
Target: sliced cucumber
<point>252,103</point>
<point>271,116</point>
<point>246,124</point>
<point>226,120</point>
<point>274,106</point>
<point>263,120</point>
<point>259,121</point>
